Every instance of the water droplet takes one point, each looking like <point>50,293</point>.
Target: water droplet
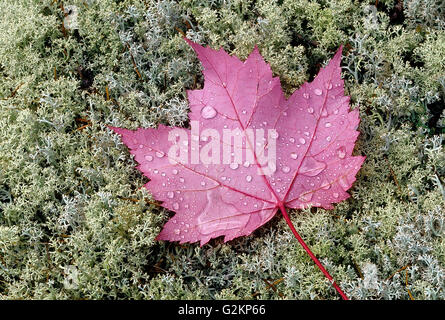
<point>274,134</point>
<point>203,183</point>
<point>244,112</point>
<point>328,124</point>
<point>294,155</point>
<point>170,194</point>
<point>181,180</point>
<point>318,92</point>
<point>335,194</point>
<point>285,169</point>
<point>336,111</point>
<point>325,185</point>
<point>224,85</point>
<point>292,140</point>
<point>148,158</point>
<point>177,231</point>
<point>155,171</point>
<point>208,112</point>
<point>312,167</point>
<point>328,138</point>
<point>246,164</point>
<point>341,152</point>
<point>310,110</point>
<point>234,165</point>
<point>306,95</point>
<point>141,146</point>
<point>176,206</point>
<point>174,171</point>
<point>249,178</point>
<point>159,154</point>
<point>223,178</point>
<point>328,85</point>
<point>302,141</point>
<point>324,113</point>
<point>343,182</point>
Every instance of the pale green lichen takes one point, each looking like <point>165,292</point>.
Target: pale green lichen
<point>74,221</point>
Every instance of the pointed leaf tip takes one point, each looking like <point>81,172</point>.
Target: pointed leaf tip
<point>117,130</point>
<point>338,54</point>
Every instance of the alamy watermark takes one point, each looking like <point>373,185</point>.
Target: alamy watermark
<point>233,147</point>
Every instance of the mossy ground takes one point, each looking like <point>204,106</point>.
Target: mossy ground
<point>74,221</point>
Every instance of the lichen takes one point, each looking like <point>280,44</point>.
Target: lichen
<point>75,221</point>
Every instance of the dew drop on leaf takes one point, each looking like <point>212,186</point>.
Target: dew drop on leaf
<point>233,165</point>
<point>325,185</point>
<point>274,134</point>
<point>341,152</point>
<point>343,182</point>
<point>208,112</point>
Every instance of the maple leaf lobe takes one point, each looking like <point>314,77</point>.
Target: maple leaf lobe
<point>315,135</point>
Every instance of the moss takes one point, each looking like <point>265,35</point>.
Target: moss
<point>74,220</point>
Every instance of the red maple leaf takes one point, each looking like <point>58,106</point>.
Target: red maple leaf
<point>250,151</point>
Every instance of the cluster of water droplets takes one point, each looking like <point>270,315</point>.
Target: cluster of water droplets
<point>312,167</point>
<point>181,228</point>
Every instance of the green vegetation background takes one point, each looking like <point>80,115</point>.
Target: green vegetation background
<point>74,221</point>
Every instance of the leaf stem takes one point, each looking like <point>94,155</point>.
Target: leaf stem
<point>309,252</point>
